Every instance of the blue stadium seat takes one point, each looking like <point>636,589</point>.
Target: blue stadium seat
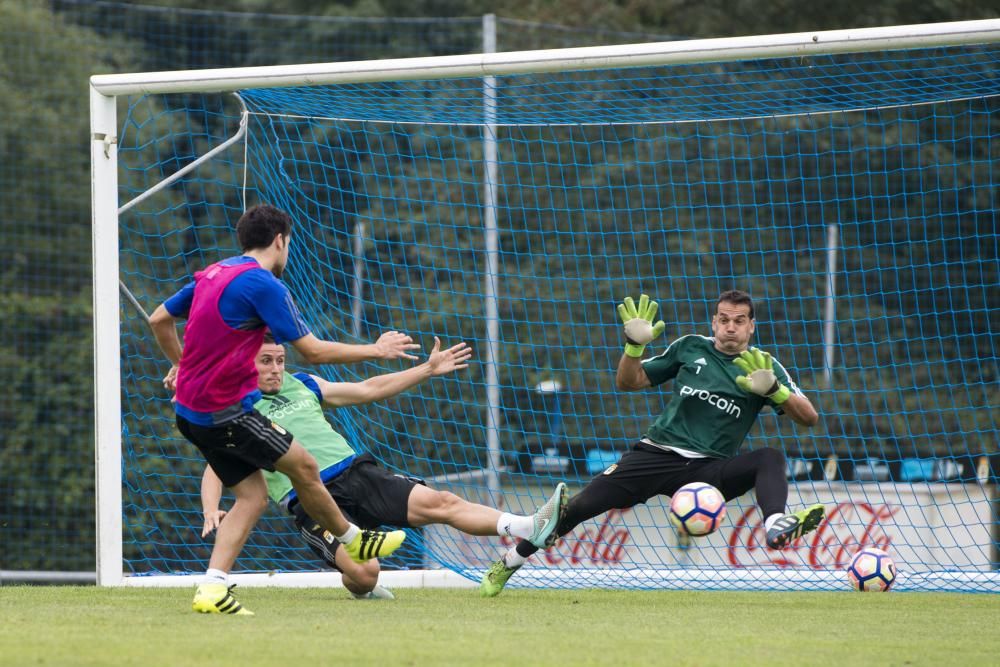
<point>598,460</point>
<point>916,470</point>
<point>930,470</point>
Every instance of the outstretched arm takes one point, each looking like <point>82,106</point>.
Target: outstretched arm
<point>211,494</point>
<point>631,376</point>
<point>801,410</point>
<point>440,362</point>
<point>390,345</point>
<point>639,331</point>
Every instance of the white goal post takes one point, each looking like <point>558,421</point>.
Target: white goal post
<point>105,91</point>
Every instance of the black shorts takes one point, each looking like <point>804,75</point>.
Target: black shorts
<point>239,447</point>
<point>646,471</point>
<point>368,495</point>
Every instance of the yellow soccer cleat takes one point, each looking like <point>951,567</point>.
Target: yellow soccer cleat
<point>496,578</point>
<point>790,527</point>
<point>218,599</point>
<point>369,544</point>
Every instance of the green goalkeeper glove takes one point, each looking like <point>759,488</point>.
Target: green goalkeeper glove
<point>760,378</point>
<point>639,327</point>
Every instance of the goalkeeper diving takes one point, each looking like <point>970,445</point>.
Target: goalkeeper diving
<point>720,385</point>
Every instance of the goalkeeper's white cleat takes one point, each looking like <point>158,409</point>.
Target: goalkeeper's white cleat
<point>547,518</point>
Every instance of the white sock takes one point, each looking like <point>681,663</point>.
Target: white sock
<point>513,559</point>
<point>352,532</point>
<point>216,577</point>
<point>514,525</point>
<point>769,521</point>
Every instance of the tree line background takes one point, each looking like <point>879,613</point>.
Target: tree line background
<point>49,49</point>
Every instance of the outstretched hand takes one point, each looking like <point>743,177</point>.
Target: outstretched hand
<point>452,359</point>
<point>639,327</point>
<point>760,378</point>
<point>394,345</point>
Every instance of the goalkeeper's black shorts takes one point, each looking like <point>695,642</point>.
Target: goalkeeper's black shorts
<point>646,471</point>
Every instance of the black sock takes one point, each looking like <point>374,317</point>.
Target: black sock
<point>526,549</point>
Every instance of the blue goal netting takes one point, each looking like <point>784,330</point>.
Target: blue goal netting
<point>854,196</point>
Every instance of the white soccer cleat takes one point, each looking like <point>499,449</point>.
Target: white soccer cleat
<point>547,518</point>
<point>378,593</point>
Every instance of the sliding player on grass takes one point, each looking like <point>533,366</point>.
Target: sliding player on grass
<point>367,493</point>
<point>720,385</point>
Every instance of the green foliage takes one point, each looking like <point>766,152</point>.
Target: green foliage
<point>46,459</point>
<point>45,65</point>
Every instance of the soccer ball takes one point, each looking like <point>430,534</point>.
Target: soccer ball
<point>871,569</point>
<point>697,509</point>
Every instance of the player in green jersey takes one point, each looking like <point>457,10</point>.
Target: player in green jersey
<point>369,494</point>
<point>720,384</point>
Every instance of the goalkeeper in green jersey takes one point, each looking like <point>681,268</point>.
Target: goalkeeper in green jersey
<point>367,493</point>
<point>720,384</point>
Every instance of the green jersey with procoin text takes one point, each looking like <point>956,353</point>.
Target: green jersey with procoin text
<point>707,414</point>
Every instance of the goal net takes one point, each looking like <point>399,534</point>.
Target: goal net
<point>847,180</point>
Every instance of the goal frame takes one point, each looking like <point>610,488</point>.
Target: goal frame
<point>105,89</point>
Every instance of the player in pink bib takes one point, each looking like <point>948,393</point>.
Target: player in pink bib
<point>217,370</point>
<point>229,307</point>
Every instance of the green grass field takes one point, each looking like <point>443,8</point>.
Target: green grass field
<point>94,626</point>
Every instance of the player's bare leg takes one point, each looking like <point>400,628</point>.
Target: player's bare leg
<point>361,579</point>
<point>251,501</point>
<point>427,506</point>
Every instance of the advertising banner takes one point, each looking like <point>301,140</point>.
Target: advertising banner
<point>926,527</point>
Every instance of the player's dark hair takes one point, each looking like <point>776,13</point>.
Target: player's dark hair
<point>258,227</point>
<point>737,297</point>
<point>269,338</point>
